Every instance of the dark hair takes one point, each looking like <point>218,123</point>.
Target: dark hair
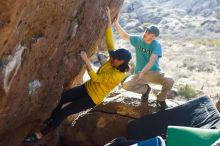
<point>124,67</point>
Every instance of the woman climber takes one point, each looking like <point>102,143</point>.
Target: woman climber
<point>93,92</point>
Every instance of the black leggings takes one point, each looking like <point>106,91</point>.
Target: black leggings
<point>79,101</point>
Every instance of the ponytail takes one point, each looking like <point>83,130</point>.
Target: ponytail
<point>124,67</point>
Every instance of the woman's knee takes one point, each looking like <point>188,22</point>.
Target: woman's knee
<point>125,85</point>
<point>129,81</point>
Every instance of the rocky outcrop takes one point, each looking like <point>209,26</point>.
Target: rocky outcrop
<point>40,41</point>
<point>107,121</point>
<point>176,18</point>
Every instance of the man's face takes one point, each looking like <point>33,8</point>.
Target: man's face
<point>148,37</point>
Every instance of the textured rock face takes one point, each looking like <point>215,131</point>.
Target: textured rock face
<point>40,41</point>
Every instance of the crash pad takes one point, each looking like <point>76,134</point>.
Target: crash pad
<point>187,136</point>
<point>199,112</point>
<point>157,141</point>
<point>121,141</point>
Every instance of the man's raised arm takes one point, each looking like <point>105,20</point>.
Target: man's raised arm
<point>122,33</point>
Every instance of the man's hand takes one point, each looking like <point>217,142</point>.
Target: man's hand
<point>140,75</point>
<point>84,56</point>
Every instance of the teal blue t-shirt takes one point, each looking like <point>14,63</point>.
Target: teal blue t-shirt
<point>144,51</point>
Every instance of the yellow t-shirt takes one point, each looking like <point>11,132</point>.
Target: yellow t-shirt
<point>106,78</point>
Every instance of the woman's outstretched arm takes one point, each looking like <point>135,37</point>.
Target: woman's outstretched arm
<point>86,61</point>
<point>103,77</point>
<point>108,33</point>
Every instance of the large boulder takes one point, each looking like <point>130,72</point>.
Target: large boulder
<point>40,42</point>
<point>107,121</point>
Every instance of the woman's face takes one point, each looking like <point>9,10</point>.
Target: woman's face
<point>115,62</point>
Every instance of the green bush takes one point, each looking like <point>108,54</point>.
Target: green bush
<point>207,42</point>
<point>186,91</point>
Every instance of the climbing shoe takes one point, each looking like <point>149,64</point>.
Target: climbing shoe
<point>145,96</point>
<point>31,139</point>
<point>161,105</point>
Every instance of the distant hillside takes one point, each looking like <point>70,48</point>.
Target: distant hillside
<point>188,18</point>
